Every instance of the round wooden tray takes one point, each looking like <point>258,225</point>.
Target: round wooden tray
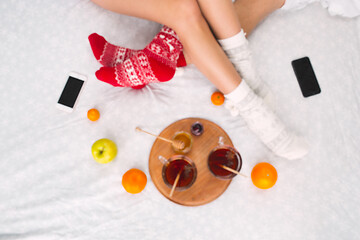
<point>207,187</point>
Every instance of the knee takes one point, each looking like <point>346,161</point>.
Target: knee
<point>188,16</point>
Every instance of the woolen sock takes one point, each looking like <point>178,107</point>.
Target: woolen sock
<point>238,51</point>
<point>265,124</point>
<point>109,55</point>
<point>157,62</point>
<point>106,53</point>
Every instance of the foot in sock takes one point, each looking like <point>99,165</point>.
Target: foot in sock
<point>110,55</point>
<point>238,51</point>
<point>106,53</point>
<point>155,63</point>
<point>265,124</point>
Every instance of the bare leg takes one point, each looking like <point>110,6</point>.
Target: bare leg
<point>252,12</point>
<point>242,100</point>
<point>185,17</point>
<point>248,12</point>
<point>221,16</point>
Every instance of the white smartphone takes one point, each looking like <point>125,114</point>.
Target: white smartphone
<point>70,94</point>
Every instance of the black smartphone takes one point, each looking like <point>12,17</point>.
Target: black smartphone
<point>306,77</point>
<point>71,92</point>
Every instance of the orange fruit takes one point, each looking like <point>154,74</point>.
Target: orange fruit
<point>93,114</point>
<point>134,181</point>
<point>264,175</point>
<point>217,98</point>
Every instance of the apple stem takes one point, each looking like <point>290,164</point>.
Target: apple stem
<point>102,150</point>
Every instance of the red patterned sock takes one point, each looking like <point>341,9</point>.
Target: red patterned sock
<point>181,61</point>
<point>110,55</point>
<point>106,53</point>
<point>155,63</point>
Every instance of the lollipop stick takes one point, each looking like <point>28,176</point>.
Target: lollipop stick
<point>175,183</point>
<point>232,170</point>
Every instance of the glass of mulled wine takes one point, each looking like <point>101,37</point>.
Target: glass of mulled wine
<point>178,165</point>
<point>222,157</point>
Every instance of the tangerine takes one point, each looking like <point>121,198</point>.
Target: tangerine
<point>93,114</point>
<point>134,181</point>
<point>217,98</point>
<point>264,175</point>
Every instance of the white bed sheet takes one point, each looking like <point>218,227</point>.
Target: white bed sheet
<point>344,8</point>
<point>51,188</point>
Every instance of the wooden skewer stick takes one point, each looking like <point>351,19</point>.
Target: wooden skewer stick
<point>175,183</point>
<point>232,170</point>
<point>177,143</point>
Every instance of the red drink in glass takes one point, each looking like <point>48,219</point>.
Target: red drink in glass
<point>226,156</point>
<point>187,171</point>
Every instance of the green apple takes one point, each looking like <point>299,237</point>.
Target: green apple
<point>104,150</point>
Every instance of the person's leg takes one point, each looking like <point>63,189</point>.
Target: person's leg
<point>110,55</point>
<point>221,16</point>
<point>225,24</point>
<point>260,119</point>
<point>251,12</point>
<point>107,54</point>
<point>155,63</point>
<point>185,17</point>
<point>234,42</point>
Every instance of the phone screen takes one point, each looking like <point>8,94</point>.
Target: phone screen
<point>71,92</point>
<point>306,77</point>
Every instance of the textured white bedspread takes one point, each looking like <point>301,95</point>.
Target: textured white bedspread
<point>51,188</point>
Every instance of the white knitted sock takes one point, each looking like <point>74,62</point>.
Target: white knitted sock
<point>238,51</point>
<point>265,124</point>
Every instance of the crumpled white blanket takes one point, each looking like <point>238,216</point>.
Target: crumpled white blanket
<point>344,8</point>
